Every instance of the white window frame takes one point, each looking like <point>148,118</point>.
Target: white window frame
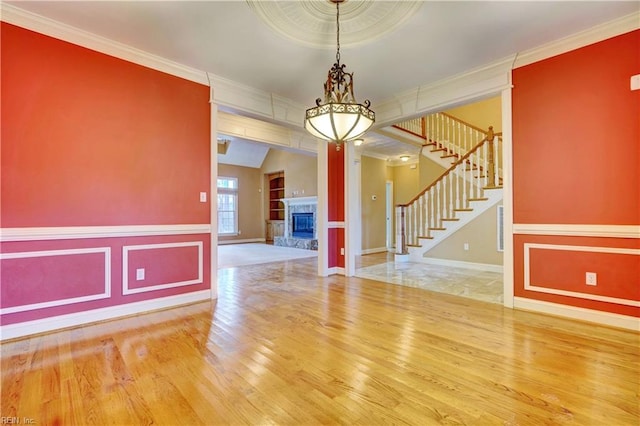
<point>223,190</point>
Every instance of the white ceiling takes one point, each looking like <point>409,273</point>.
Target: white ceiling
<point>434,40</point>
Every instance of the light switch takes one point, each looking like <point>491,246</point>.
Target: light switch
<point>203,197</point>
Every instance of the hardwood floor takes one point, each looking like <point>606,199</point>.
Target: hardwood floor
<point>282,346</point>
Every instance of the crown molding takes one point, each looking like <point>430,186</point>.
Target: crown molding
<point>462,88</point>
<point>31,21</point>
<point>592,35</point>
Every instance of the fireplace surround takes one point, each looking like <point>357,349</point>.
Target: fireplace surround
<point>300,223</point>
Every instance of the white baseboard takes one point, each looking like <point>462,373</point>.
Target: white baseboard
<point>248,240</point>
<point>375,250</point>
<point>573,312</point>
<point>336,270</point>
<point>461,264</point>
<point>22,329</point>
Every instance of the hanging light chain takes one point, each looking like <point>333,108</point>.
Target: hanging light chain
<point>338,31</point>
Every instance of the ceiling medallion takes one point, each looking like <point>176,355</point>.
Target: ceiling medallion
<point>310,22</point>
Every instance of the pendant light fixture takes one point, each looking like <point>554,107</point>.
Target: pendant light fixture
<point>340,118</point>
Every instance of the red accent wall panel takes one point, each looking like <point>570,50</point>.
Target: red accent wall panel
<point>84,274</point>
<point>340,239</point>
<point>162,266</point>
<point>576,136</point>
<point>89,139</point>
<point>336,183</point>
<point>560,263</point>
<point>36,277</point>
<point>335,239</point>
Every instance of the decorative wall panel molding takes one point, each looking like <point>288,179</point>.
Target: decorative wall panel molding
<point>106,285</point>
<point>126,250</point>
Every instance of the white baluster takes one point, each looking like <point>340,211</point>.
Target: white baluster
<point>463,167</point>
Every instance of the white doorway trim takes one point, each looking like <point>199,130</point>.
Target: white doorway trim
<point>389,215</point>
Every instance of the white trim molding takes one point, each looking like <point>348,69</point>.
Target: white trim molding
<point>592,35</point>
<point>462,264</point>
<point>245,241</point>
<point>607,231</point>
<point>582,314</point>
<point>34,22</point>
<point>377,250</point>
<point>86,232</point>
<point>12,331</point>
<point>106,293</point>
<point>125,267</point>
<point>588,296</point>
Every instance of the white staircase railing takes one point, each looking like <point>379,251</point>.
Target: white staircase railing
<point>445,133</point>
<point>472,172</point>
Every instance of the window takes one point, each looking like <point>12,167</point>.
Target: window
<point>227,206</point>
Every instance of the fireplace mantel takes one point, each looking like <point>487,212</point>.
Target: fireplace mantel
<point>300,200</point>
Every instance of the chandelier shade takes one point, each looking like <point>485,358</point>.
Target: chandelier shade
<point>339,122</point>
<point>340,118</point>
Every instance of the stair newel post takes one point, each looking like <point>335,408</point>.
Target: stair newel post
<point>491,167</point>
<point>419,217</point>
<point>403,238</point>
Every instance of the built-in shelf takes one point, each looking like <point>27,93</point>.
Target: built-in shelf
<point>276,194</point>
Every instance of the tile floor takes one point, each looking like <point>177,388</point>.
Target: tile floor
<point>480,285</point>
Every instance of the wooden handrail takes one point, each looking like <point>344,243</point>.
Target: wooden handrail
<point>490,136</point>
<point>422,129</point>
<point>464,122</point>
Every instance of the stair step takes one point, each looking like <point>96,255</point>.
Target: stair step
<point>437,229</point>
<point>438,149</point>
<point>413,245</point>
<point>478,199</point>
<point>425,237</point>
<point>449,156</point>
<point>450,219</point>
<point>493,187</point>
<point>462,210</point>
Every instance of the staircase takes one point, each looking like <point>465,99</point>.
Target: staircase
<point>470,184</point>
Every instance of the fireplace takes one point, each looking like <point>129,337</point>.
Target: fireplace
<point>300,230</point>
<point>302,225</point>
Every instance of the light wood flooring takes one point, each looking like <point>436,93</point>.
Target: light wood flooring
<point>283,346</point>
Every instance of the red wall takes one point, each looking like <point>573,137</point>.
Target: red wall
<point>92,140</point>
<point>88,139</point>
<point>576,136</point>
<point>576,161</point>
<point>335,197</point>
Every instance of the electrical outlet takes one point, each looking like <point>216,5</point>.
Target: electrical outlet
<point>203,197</point>
<point>591,278</point>
<point>140,274</point>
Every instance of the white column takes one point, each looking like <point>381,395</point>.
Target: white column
<point>213,199</point>
<point>507,198</point>
<point>323,209</point>
<point>353,222</point>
